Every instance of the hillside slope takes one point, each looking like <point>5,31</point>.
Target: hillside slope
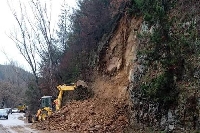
<point>119,104</point>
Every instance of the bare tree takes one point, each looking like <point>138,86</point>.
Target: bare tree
<point>36,36</point>
<point>23,38</point>
<point>63,26</point>
<point>45,37</point>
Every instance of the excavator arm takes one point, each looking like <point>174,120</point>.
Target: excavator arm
<point>62,88</point>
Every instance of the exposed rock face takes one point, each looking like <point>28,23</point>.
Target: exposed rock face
<point>121,49</point>
<point>180,117</point>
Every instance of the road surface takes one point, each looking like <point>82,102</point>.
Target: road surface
<point>16,124</point>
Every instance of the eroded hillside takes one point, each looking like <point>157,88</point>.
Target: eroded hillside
<point>119,102</point>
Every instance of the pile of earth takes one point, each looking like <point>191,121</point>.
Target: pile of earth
<point>91,115</point>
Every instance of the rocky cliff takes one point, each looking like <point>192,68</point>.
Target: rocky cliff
<point>121,61</point>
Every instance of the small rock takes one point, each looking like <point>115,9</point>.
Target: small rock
<point>98,126</point>
<point>171,127</point>
<point>107,123</point>
<point>92,129</point>
<point>121,118</point>
<point>74,125</point>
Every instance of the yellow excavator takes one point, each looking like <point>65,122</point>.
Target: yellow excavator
<point>47,102</point>
<point>22,108</point>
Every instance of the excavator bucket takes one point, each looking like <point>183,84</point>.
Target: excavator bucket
<point>81,83</point>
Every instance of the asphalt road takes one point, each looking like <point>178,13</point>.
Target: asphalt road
<point>16,124</point>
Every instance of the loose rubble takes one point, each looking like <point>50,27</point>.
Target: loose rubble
<point>91,115</point>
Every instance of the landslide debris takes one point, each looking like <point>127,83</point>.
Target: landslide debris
<point>91,115</point>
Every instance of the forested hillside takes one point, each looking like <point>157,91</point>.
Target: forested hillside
<point>13,85</point>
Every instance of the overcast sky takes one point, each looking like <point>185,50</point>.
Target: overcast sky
<point>8,50</point>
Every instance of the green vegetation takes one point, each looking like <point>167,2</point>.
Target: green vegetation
<point>168,48</point>
<point>161,89</point>
<point>88,24</point>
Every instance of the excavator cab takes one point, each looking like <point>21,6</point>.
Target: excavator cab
<point>46,101</point>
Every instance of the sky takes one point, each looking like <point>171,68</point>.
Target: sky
<point>8,50</point>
